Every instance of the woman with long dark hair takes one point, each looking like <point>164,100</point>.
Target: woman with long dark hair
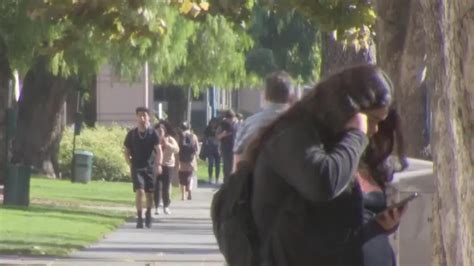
<point>376,171</point>
<point>170,149</point>
<point>306,202</point>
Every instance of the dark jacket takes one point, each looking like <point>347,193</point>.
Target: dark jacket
<point>306,203</point>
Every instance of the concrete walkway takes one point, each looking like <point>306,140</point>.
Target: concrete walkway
<point>182,238</point>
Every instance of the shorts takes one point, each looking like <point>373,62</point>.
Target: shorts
<point>185,177</point>
<point>143,179</point>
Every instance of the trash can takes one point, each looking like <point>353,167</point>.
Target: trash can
<point>17,185</point>
<point>82,166</point>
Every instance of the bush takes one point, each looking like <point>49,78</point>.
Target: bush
<point>106,143</point>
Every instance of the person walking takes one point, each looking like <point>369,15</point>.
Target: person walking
<point>226,135</point>
<point>188,148</point>
<point>210,150</point>
<point>306,202</point>
<point>278,88</point>
<point>144,156</point>
<point>170,149</point>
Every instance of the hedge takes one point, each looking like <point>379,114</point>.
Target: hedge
<point>106,143</point>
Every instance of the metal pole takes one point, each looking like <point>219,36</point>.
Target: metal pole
<point>73,160</point>
<point>73,156</point>
<point>7,131</point>
<point>189,104</point>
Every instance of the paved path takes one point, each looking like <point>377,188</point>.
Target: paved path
<point>183,238</point>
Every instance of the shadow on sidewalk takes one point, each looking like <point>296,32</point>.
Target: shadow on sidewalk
<point>172,251</point>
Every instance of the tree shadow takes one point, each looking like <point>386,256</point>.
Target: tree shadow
<point>55,209</point>
<point>178,251</point>
<point>42,243</point>
<point>102,200</point>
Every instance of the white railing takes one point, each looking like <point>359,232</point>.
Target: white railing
<point>412,241</point>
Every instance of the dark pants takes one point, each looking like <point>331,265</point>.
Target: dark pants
<point>162,190</point>
<point>227,161</point>
<point>214,161</point>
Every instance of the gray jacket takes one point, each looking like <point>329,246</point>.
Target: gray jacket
<point>306,203</point>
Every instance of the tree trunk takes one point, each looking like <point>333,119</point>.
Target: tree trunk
<point>40,119</point>
<point>450,31</point>
<point>401,52</point>
<point>334,57</point>
<point>5,75</point>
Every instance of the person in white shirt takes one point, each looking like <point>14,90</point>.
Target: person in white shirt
<point>278,87</point>
<point>170,148</point>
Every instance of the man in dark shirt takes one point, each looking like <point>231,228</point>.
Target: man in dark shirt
<point>143,153</point>
<point>226,135</point>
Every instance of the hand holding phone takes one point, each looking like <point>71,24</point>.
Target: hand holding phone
<point>391,216</point>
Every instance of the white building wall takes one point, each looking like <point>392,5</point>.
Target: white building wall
<point>250,101</point>
<point>118,98</point>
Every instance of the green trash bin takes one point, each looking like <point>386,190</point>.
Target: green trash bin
<point>82,166</point>
<point>17,185</point>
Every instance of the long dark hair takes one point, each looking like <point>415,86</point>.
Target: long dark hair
<point>332,102</point>
<point>381,146</point>
<point>169,131</point>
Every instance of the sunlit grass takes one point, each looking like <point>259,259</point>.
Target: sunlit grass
<point>63,216</point>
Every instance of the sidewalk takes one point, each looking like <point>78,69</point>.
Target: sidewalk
<point>184,237</point>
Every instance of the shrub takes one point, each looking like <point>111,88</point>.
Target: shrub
<point>106,143</point>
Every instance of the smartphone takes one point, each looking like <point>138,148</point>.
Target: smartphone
<point>401,203</point>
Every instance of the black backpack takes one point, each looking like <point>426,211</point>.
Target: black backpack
<point>187,148</point>
<point>232,219</point>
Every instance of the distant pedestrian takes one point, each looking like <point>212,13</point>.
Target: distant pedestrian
<point>226,135</point>
<point>188,148</point>
<point>278,88</point>
<point>170,149</point>
<point>240,118</point>
<point>144,156</point>
<point>210,150</point>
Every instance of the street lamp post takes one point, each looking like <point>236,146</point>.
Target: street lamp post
<point>77,131</point>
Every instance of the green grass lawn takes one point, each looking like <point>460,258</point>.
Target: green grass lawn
<point>203,176</point>
<point>202,171</point>
<point>64,216</point>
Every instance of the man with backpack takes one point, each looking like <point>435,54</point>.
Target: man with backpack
<point>188,148</point>
<point>144,156</point>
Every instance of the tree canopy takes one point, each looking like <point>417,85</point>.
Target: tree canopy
<point>284,41</point>
<point>78,36</point>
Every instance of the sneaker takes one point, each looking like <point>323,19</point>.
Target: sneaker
<point>147,220</point>
<point>139,222</point>
<point>158,211</point>
<point>167,210</point>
